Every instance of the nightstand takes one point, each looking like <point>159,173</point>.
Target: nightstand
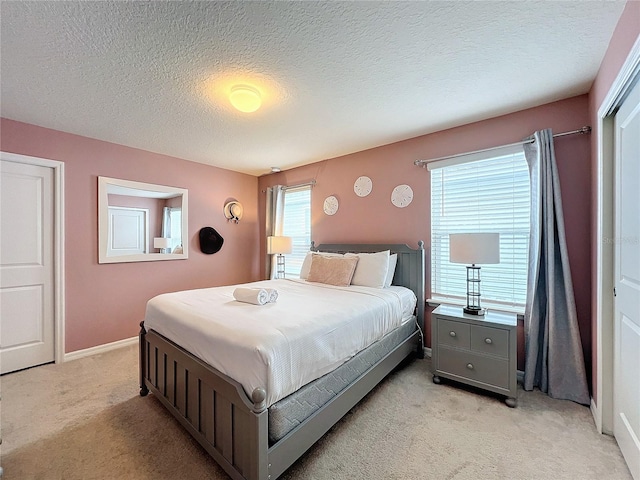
<point>475,350</point>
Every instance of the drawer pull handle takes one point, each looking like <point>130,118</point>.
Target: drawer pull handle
<point>470,366</point>
<point>452,334</point>
<point>488,341</point>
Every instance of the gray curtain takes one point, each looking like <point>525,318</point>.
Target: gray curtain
<point>166,222</point>
<point>275,215</point>
<point>554,360</point>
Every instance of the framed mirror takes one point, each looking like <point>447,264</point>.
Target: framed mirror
<point>141,222</point>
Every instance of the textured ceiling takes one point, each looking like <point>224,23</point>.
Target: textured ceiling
<point>336,77</point>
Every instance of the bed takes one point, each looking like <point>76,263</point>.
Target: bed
<point>256,435</point>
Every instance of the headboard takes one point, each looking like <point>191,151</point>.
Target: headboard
<point>410,269</point>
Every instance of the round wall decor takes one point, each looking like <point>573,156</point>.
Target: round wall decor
<point>362,186</point>
<point>330,205</point>
<point>402,196</point>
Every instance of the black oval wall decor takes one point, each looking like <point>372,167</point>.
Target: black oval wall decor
<point>210,240</point>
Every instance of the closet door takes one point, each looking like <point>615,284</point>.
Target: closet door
<point>626,381</point>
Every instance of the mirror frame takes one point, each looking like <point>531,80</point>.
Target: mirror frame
<point>103,221</point>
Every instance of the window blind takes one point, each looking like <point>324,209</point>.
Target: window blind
<point>297,225</point>
<point>486,195</point>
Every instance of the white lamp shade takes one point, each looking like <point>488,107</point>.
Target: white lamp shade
<point>279,245</point>
<point>474,248</point>
<point>161,242</point>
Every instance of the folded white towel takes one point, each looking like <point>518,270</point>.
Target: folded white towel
<point>273,294</point>
<point>256,296</point>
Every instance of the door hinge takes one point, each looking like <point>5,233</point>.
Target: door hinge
<point>614,291</point>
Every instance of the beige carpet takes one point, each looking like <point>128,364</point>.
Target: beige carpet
<point>64,422</point>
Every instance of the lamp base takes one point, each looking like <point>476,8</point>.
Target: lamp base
<point>280,266</point>
<point>474,311</point>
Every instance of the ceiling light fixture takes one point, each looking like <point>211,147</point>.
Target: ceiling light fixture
<point>245,98</point>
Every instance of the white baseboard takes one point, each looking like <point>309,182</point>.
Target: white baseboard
<point>100,349</point>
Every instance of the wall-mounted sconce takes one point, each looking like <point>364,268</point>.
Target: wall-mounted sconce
<point>161,243</point>
<point>233,211</point>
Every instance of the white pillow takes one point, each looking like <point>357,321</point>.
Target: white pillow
<point>393,261</point>
<point>306,264</point>
<point>371,270</point>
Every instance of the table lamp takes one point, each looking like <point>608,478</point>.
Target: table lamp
<point>278,245</point>
<point>161,243</point>
<point>474,249</point>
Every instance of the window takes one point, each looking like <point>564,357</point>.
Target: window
<point>297,225</point>
<point>175,221</point>
<point>475,195</point>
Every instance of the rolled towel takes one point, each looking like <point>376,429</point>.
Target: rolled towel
<point>273,294</point>
<point>256,296</point>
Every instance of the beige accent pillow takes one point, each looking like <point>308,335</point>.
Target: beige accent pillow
<point>306,264</point>
<point>336,271</point>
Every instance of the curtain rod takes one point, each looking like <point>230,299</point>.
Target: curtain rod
<point>581,131</point>
<point>306,184</point>
<point>287,187</point>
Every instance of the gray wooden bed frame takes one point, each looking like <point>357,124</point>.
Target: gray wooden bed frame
<point>232,427</point>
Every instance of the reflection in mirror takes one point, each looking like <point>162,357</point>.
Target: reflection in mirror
<point>140,222</point>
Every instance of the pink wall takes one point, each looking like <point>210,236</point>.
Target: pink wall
<point>375,219</point>
<point>105,303</point>
<point>625,35</point>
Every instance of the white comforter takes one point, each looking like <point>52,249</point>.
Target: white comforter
<point>310,330</point>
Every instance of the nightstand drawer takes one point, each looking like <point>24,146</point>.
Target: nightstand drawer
<point>492,371</point>
<point>490,340</point>
<point>455,334</point>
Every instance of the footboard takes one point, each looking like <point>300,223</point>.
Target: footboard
<point>211,406</point>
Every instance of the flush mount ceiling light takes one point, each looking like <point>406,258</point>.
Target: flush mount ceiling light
<point>245,98</point>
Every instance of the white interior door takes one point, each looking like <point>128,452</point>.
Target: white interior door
<point>26,266</point>
<point>626,397</point>
<point>128,231</point>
